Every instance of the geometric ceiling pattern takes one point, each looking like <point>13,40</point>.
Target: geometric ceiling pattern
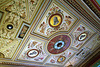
<point>48,32</point>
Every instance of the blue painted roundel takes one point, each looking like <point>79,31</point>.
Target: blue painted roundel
<point>59,44</point>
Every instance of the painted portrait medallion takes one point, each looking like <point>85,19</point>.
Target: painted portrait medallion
<point>32,53</point>
<point>55,20</point>
<point>61,59</point>
<point>82,36</point>
<point>58,44</point>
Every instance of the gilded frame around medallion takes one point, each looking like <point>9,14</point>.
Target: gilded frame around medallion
<point>33,56</point>
<point>84,38</point>
<point>62,60</point>
<point>58,24</point>
<point>65,38</point>
<point>55,36</point>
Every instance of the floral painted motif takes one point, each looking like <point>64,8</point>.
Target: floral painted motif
<point>17,7</point>
<point>8,46</point>
<point>61,58</point>
<point>55,20</point>
<point>36,46</point>
<point>81,34</point>
<point>8,32</point>
<point>32,6</point>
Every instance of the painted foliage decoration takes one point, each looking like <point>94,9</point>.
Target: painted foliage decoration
<point>56,20</point>
<point>17,7</point>
<point>32,7</point>
<point>22,8</point>
<point>8,46</point>
<point>60,37</point>
<point>2,1</point>
<point>86,51</point>
<point>81,34</point>
<point>15,11</point>
<point>79,56</point>
<point>60,59</point>
<point>33,51</point>
<point>10,26</point>
<point>8,30</point>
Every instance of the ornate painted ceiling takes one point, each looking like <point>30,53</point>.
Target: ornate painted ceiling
<point>52,33</point>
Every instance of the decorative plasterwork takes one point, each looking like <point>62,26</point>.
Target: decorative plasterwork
<point>94,42</point>
<point>13,15</point>
<point>55,19</point>
<point>8,31</point>
<point>33,50</point>
<point>3,2</point>
<point>25,9</point>
<point>10,20</point>
<point>61,58</point>
<point>92,4</point>
<point>85,51</point>
<point>58,44</point>
<point>8,46</point>
<point>80,7</point>
<point>81,34</point>
<point>58,36</point>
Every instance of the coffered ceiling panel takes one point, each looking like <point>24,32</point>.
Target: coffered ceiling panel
<point>85,10</point>
<point>55,19</point>
<point>81,34</point>
<point>33,50</point>
<point>48,33</point>
<point>85,51</point>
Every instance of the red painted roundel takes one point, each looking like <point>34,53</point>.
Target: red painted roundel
<point>58,44</point>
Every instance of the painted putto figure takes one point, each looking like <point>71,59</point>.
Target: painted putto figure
<point>68,20</point>
<point>43,27</point>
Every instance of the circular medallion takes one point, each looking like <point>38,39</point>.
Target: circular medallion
<point>32,53</point>
<point>9,26</point>
<point>58,44</point>
<point>61,59</point>
<point>55,20</point>
<point>82,36</point>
